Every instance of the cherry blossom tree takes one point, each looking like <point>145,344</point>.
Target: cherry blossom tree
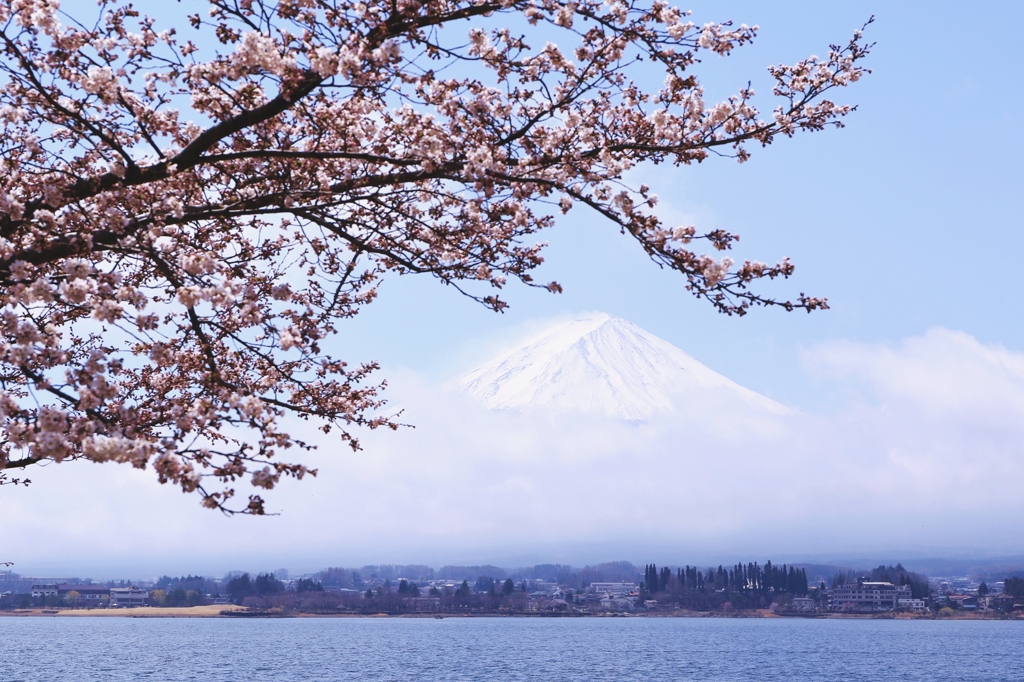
<point>187,212</point>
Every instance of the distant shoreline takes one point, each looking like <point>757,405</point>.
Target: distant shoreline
<point>240,613</point>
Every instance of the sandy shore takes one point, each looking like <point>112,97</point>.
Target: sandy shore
<point>210,611</point>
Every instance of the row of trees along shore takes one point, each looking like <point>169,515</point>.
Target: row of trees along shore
<point>405,597</point>
<point>741,586</point>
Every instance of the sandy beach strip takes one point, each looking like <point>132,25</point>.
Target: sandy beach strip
<point>208,611</point>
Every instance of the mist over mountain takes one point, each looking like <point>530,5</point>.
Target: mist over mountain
<point>605,365</point>
<point>592,439</point>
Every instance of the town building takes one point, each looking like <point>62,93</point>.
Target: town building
<point>128,596</point>
<point>865,595</point>
<point>44,591</point>
<point>553,605</point>
<point>613,589</point>
<point>589,600</point>
<point>912,604</point>
<point>540,587</point>
<point>802,604</point>
<point>999,600</point>
<point>424,604</point>
<point>965,601</point>
<point>86,594</point>
<point>617,604</point>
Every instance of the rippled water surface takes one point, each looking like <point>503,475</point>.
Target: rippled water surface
<point>508,649</point>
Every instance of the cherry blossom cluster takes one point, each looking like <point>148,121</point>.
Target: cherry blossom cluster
<point>187,212</point>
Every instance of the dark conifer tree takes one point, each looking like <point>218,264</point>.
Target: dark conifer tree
<point>651,577</point>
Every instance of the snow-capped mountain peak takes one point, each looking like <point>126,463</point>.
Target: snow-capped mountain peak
<point>603,364</point>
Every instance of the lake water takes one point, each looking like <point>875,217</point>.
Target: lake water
<point>59,649</point>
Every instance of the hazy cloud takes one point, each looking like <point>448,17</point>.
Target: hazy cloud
<point>926,457</point>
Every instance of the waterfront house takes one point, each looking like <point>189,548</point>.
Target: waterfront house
<point>802,604</point>
<point>128,596</point>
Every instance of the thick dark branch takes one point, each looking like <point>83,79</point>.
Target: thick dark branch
<point>22,463</point>
<point>188,156</point>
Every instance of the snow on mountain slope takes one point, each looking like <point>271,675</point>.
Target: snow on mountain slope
<point>605,365</point>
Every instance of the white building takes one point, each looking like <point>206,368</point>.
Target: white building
<point>868,596</point>
<point>613,589</point>
<point>912,604</point>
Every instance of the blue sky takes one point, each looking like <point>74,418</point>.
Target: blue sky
<point>907,219</point>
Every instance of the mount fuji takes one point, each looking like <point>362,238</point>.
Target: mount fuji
<point>606,365</point>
